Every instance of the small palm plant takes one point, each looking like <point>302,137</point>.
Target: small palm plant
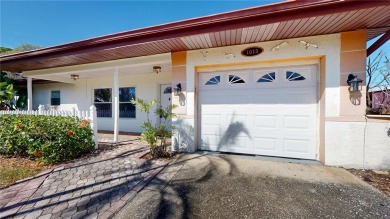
<point>165,129</point>
<point>6,95</point>
<point>154,134</point>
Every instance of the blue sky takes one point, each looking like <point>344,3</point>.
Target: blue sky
<point>48,23</point>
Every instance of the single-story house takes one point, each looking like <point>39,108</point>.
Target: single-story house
<point>269,80</point>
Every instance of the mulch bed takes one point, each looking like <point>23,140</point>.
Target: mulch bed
<point>378,179</point>
<point>13,169</point>
<point>168,158</point>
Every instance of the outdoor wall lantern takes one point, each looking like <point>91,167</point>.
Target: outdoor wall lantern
<point>177,89</point>
<point>354,83</point>
<point>74,77</point>
<point>156,69</point>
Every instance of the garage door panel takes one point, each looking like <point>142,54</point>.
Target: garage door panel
<point>210,141</point>
<point>288,100</point>
<point>237,124</point>
<point>232,141</point>
<point>297,122</point>
<point>265,121</point>
<point>238,99</point>
<point>237,132</point>
<point>211,120</point>
<point>237,117</point>
<point>266,143</point>
<point>296,145</point>
<point>237,144</point>
<point>237,108</point>
<point>275,120</point>
<point>298,148</point>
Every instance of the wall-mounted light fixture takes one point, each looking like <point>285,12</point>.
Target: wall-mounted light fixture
<point>277,47</point>
<point>156,69</point>
<point>308,44</point>
<point>354,83</point>
<point>74,77</point>
<point>228,55</point>
<point>177,89</point>
<point>204,54</point>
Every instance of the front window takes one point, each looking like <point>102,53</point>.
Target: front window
<point>55,98</point>
<point>103,102</point>
<point>126,109</point>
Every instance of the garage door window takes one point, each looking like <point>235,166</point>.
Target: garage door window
<point>214,80</point>
<point>234,79</point>
<point>270,77</point>
<point>293,76</point>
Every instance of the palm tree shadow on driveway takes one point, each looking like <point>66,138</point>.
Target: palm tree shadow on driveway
<point>209,186</point>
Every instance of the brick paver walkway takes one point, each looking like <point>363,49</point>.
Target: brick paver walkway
<point>93,187</point>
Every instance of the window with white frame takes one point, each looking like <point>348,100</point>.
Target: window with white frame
<point>55,98</point>
<point>103,102</point>
<point>126,108</point>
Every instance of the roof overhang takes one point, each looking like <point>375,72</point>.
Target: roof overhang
<point>270,22</point>
<point>382,40</point>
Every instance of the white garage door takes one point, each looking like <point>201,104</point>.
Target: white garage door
<point>263,111</point>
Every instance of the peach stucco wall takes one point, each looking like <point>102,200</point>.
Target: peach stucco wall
<point>352,61</point>
<point>179,60</point>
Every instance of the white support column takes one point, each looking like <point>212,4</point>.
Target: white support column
<point>93,123</point>
<point>116,106</point>
<point>29,93</point>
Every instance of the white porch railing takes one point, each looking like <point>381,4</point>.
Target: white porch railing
<point>89,115</point>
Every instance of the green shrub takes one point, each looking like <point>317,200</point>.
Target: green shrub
<point>49,139</point>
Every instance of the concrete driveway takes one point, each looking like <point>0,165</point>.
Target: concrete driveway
<point>209,186</point>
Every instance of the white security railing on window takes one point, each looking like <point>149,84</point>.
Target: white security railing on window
<point>89,115</point>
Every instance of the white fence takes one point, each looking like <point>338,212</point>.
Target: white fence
<point>89,115</point>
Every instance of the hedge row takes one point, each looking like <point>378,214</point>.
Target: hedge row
<point>50,139</point>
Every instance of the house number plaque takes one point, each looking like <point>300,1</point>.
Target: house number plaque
<point>252,51</point>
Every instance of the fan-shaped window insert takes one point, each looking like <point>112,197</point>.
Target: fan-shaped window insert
<point>270,77</point>
<point>214,80</point>
<point>293,76</point>
<point>234,79</point>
